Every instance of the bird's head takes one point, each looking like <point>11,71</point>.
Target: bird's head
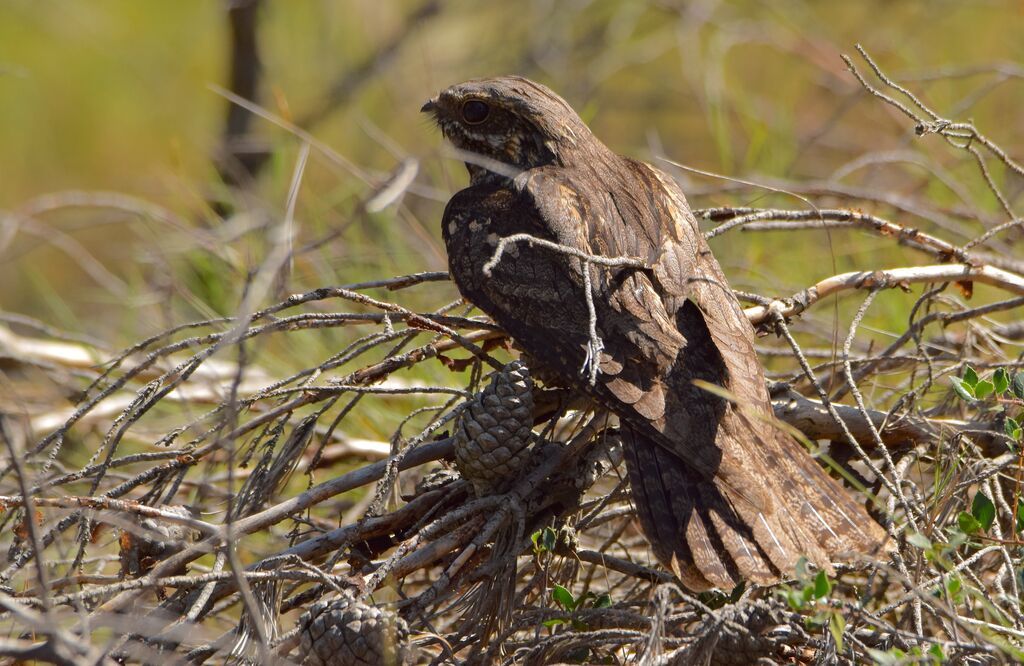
<point>506,124</point>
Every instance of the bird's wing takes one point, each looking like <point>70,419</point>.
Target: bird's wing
<point>687,272</point>
<point>663,327</point>
<point>678,322</point>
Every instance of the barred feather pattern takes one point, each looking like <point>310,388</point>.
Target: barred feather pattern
<point>723,495</point>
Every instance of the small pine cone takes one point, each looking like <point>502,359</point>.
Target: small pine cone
<point>435,479</point>
<point>493,437</point>
<point>344,632</point>
<point>154,540</point>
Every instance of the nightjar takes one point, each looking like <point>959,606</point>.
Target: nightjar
<point>723,495</point>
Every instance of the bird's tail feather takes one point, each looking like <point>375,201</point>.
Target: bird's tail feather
<point>714,538</point>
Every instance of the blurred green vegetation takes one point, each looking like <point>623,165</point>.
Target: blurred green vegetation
<point>116,96</point>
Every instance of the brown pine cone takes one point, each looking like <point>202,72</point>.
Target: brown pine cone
<point>494,433</point>
<point>344,632</point>
<point>435,479</point>
<point>153,540</point>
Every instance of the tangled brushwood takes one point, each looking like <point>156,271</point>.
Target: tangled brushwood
<point>223,513</point>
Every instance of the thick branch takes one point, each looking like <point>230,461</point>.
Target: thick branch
<point>812,418</point>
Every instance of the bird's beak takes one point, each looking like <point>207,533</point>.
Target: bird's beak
<point>430,106</point>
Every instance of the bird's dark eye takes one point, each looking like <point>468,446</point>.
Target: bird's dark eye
<point>475,112</point>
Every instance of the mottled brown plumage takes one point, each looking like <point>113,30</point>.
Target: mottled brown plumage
<point>722,494</point>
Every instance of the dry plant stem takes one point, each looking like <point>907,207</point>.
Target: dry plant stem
<point>624,566</point>
<point>916,327</point>
<point>966,130</point>
<point>181,372</point>
<point>894,491</point>
<point>780,323</point>
<point>886,279</point>
<point>811,219</point>
<point>402,281</point>
<point>418,321</point>
<point>60,647</point>
<point>960,135</point>
<point>179,582</point>
<point>100,504</point>
<point>42,576</point>
<point>279,512</point>
<point>913,207</point>
<point>609,262</point>
<point>189,457</point>
<point>897,480</point>
<point>814,420</point>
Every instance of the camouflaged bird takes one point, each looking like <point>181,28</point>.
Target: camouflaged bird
<point>722,494</point>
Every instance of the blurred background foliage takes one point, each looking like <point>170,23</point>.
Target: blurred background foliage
<point>118,97</point>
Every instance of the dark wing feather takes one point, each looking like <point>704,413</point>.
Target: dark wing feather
<point>722,495</point>
<point>777,490</point>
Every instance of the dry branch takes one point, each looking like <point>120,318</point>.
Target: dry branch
<point>886,279</point>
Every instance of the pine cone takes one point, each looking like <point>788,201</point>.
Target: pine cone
<point>493,437</point>
<point>435,479</point>
<point>344,632</point>
<point>154,540</point>
<point>769,636</point>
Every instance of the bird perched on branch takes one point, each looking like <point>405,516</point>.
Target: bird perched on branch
<point>594,263</point>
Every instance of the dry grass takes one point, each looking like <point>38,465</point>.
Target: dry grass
<point>179,504</point>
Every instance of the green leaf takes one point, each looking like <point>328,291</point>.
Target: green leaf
<point>555,621</point>
<point>956,539</point>
<point>968,523</point>
<point>822,586</point>
<point>970,376</point>
<point>1020,516</point>
<point>801,569</point>
<point>603,601</point>
<point>1012,429</point>
<point>836,626</point>
<point>1001,380</point>
<point>936,651</point>
<point>919,540</point>
<point>984,389</point>
<point>544,540</point>
<point>965,391</point>
<point>983,510</point>
<point>1017,385</point>
<point>563,598</point>
<point>953,587</point>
